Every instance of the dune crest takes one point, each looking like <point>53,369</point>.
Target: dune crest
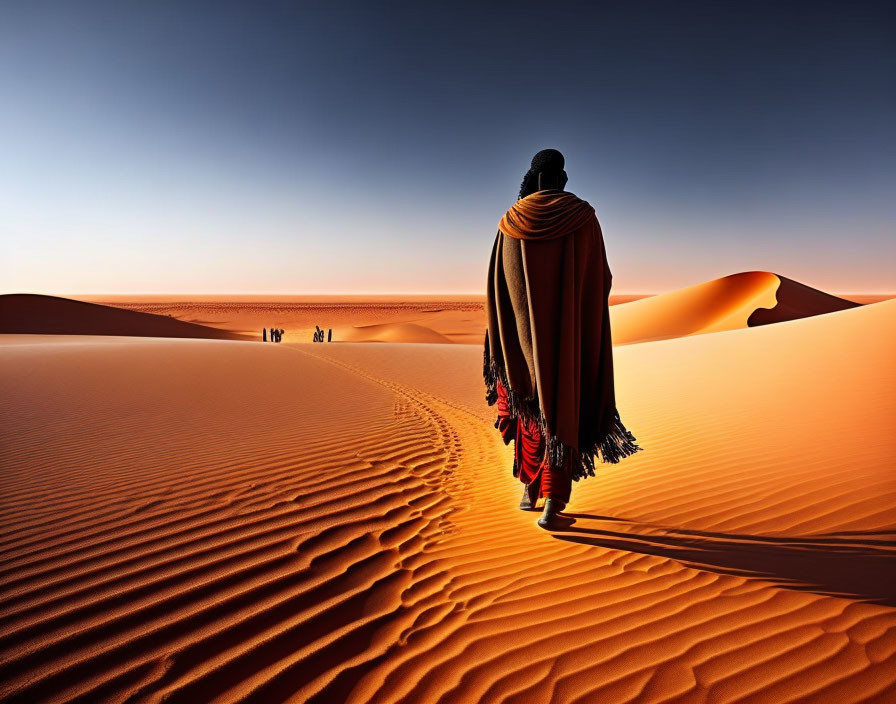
<point>731,302</point>
<point>22,313</point>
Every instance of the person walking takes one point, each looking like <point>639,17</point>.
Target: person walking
<point>548,355</point>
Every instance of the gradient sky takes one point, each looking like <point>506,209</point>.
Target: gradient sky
<point>274,147</point>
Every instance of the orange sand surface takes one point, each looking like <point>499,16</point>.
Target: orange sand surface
<point>217,521</point>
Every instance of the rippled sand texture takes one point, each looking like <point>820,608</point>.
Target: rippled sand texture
<point>197,520</point>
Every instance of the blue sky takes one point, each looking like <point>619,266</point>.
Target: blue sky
<point>372,147</point>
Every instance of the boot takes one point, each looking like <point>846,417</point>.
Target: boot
<point>530,496</point>
<point>549,518</point>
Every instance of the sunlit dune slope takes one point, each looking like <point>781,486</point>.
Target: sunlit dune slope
<point>783,429</point>
<point>200,520</point>
<point>730,302</point>
<point>389,332</point>
<point>51,315</point>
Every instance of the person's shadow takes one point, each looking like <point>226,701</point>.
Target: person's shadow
<point>857,564</point>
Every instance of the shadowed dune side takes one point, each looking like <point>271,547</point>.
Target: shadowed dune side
<point>795,300</point>
<point>22,313</point>
<point>727,303</point>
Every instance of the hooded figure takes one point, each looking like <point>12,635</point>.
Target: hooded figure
<point>548,357</point>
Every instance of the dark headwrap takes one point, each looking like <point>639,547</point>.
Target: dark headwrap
<point>549,162</point>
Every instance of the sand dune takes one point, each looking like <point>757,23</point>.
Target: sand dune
<point>390,332</point>
<point>737,301</point>
<point>194,520</point>
<point>50,315</point>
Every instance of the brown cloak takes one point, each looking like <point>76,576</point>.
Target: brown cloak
<point>548,338</point>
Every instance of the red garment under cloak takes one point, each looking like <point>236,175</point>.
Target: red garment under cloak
<point>529,461</point>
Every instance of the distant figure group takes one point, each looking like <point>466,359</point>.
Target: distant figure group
<point>319,334</point>
<point>276,335</point>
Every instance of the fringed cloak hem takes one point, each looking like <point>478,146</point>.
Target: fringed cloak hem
<point>615,444</point>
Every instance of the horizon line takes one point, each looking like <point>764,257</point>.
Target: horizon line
<point>358,293</point>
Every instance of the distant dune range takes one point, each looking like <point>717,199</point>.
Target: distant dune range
<point>417,318</point>
<point>212,521</point>
<point>51,315</point>
<point>740,300</point>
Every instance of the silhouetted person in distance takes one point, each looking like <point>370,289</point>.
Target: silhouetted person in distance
<point>548,356</point>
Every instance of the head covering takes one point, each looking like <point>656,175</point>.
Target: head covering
<point>548,338</point>
<point>547,161</point>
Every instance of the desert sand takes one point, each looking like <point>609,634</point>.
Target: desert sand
<point>386,318</point>
<point>409,318</point>
<point>209,520</point>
